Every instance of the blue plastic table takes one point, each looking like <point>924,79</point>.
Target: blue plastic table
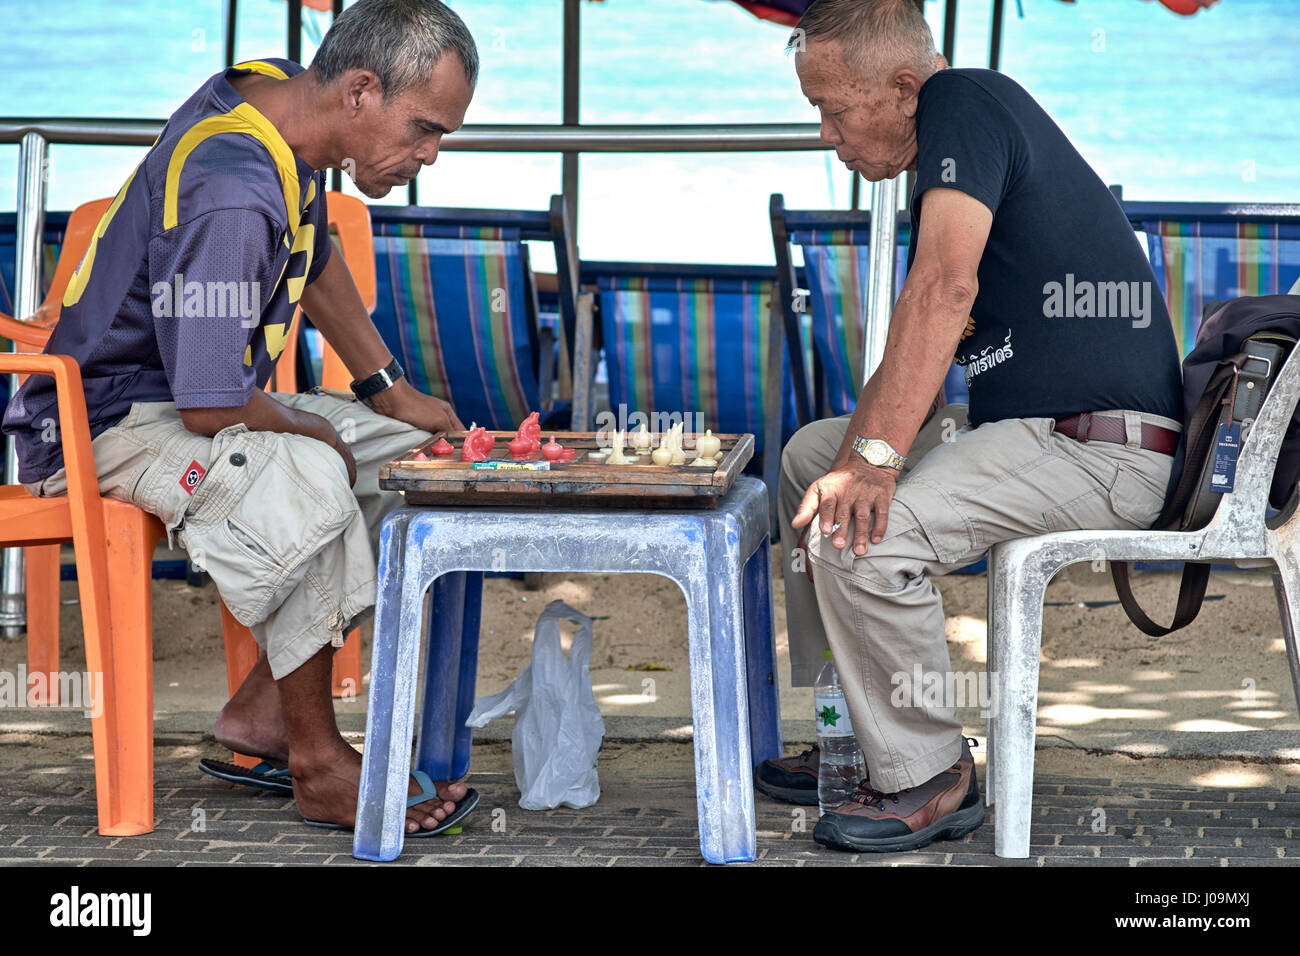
<point>719,557</point>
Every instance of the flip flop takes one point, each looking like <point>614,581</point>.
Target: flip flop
<point>265,776</point>
<point>427,792</point>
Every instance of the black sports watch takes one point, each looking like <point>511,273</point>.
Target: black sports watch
<point>367,388</point>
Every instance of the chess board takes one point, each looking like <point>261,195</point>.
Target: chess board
<point>582,482</point>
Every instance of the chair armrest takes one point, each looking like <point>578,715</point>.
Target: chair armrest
<point>74,426</point>
<point>85,506</point>
<point>33,333</point>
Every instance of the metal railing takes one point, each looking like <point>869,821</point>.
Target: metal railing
<point>35,135</point>
<point>507,138</point>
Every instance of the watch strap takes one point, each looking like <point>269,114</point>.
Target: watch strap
<point>894,461</point>
<point>372,385</point>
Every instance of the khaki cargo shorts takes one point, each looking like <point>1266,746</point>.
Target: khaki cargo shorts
<point>270,516</point>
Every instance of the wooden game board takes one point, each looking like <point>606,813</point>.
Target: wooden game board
<point>579,483</point>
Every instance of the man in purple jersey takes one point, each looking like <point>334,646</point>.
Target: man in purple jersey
<point>177,314</point>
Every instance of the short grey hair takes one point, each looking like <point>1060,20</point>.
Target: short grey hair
<point>399,41</point>
<point>876,35</point>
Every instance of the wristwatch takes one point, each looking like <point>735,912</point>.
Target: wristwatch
<point>367,388</point>
<point>878,452</point>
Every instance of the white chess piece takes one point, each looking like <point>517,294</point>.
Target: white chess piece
<point>616,456</point>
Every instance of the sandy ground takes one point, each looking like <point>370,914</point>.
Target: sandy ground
<point>1205,691</point>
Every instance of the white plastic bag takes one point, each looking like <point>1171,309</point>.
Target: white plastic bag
<point>558,727</point>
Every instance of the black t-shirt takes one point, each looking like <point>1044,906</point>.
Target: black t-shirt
<point>1068,317</point>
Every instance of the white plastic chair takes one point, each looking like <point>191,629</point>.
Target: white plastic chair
<point>1020,569</point>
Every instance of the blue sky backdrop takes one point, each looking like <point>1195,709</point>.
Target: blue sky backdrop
<point>1200,108</point>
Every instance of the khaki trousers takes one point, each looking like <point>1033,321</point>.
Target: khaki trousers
<point>270,516</point>
<point>964,489</point>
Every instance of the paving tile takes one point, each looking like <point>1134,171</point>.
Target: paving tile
<point>46,822</point>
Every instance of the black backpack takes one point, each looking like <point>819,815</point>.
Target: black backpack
<point>1240,349</point>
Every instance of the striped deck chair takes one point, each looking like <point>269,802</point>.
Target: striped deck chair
<point>1202,253</point>
<point>458,305</point>
<point>836,262</point>
<point>690,339</point>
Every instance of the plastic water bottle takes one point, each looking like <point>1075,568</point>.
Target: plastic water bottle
<point>842,766</point>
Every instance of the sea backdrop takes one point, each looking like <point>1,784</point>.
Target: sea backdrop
<point>1203,108</point>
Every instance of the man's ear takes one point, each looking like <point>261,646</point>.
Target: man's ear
<point>359,85</point>
<point>907,84</point>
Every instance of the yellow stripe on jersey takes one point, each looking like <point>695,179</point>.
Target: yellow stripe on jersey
<point>77,284</point>
<point>303,241</point>
<point>276,337</point>
<point>242,119</point>
<point>261,66</point>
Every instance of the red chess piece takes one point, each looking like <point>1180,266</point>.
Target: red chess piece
<point>529,435</point>
<point>442,448</point>
<point>552,450</point>
<point>478,445</point>
<point>567,454</point>
<point>519,447</point>
<point>419,456</point>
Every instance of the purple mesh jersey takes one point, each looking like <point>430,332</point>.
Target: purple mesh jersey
<point>187,291</point>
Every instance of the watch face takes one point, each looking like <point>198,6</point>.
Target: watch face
<point>877,453</point>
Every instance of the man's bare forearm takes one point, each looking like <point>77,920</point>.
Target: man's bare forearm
<point>924,331</point>
<point>335,308</point>
<point>262,413</point>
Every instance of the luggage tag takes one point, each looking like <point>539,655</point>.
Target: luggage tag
<point>1227,446</point>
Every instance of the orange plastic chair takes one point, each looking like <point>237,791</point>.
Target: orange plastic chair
<point>42,563</point>
<point>114,544</point>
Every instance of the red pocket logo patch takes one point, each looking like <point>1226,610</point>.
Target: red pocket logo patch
<point>193,475</point>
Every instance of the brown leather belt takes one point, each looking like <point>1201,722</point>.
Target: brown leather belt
<point>1087,427</point>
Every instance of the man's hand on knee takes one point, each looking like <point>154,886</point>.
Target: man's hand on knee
<point>264,414</point>
<point>854,491</point>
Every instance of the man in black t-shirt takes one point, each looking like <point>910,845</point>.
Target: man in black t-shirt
<point>1024,269</point>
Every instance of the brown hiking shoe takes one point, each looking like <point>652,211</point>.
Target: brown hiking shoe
<point>792,779</point>
<point>946,806</point>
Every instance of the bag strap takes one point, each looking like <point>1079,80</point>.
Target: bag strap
<point>1220,392</point>
<point>1191,595</point>
<point>1200,436</point>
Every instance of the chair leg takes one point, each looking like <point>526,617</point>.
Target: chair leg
<point>390,714</point>
<point>42,564</point>
<point>124,780</point>
<point>991,669</point>
<point>1017,628</point>
<point>1289,607</point>
<point>724,786</point>
<point>347,666</point>
<point>242,652</point>
<point>760,658</point>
